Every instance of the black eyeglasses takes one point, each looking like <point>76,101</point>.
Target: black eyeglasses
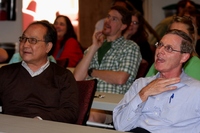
<point>167,48</point>
<point>23,39</point>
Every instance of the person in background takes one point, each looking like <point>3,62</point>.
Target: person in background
<point>162,27</point>
<point>194,15</point>
<point>37,88</point>
<point>198,37</point>
<point>137,33</point>
<point>67,45</point>
<point>124,3</point>
<point>191,67</point>
<point>168,102</point>
<point>3,55</point>
<point>111,59</point>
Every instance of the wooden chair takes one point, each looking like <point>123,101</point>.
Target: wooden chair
<point>87,89</point>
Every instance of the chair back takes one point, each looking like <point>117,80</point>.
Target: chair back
<point>62,62</point>
<point>143,68</point>
<point>87,89</point>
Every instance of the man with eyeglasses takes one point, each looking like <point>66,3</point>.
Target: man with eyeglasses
<point>168,102</point>
<point>111,59</point>
<point>36,87</point>
<point>191,67</point>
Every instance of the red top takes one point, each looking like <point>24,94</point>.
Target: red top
<point>71,50</point>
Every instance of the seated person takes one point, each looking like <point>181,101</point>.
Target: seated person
<point>137,33</point>
<point>37,88</point>
<point>111,59</point>
<point>168,102</point>
<point>67,45</point>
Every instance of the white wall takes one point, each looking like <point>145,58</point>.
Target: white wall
<point>11,30</point>
<point>154,12</point>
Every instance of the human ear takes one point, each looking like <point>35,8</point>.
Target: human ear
<point>49,46</point>
<point>185,57</point>
<point>123,26</point>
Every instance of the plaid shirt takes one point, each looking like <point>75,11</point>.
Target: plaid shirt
<point>124,55</point>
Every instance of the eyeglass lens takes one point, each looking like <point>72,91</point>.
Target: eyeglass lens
<point>167,48</point>
<point>30,40</point>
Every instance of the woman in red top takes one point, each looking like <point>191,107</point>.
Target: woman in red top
<point>67,45</point>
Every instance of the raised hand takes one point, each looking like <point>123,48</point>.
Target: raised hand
<point>98,39</point>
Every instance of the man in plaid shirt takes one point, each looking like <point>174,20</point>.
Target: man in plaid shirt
<point>111,59</point>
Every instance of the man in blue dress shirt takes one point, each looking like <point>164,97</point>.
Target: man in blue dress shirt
<point>168,102</point>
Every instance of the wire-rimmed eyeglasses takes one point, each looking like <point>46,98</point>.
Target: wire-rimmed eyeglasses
<point>167,48</point>
<point>23,39</point>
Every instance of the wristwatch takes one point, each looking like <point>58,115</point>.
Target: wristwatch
<point>90,72</point>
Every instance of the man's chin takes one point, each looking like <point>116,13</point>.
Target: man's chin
<point>26,59</point>
<point>158,67</point>
<point>106,32</point>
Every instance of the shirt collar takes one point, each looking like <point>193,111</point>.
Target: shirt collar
<point>39,71</point>
<point>184,79</point>
<point>118,41</point>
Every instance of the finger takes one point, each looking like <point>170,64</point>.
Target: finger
<point>98,34</point>
<point>168,81</point>
<point>171,88</point>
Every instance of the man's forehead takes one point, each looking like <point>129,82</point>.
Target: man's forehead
<point>35,29</point>
<point>115,13</point>
<point>171,39</point>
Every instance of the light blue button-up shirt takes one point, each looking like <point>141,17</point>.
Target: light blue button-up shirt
<point>175,111</point>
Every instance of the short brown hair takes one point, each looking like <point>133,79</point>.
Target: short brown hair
<point>126,15</point>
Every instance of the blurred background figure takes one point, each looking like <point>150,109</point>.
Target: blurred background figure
<point>3,55</point>
<point>194,15</point>
<point>67,46</point>
<point>137,33</point>
<point>198,34</point>
<point>162,27</point>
